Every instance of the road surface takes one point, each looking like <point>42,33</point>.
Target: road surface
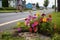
<point>8,20</point>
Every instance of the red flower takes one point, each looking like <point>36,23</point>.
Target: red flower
<point>35,29</point>
<point>43,14</point>
<point>30,29</point>
<point>25,19</point>
<point>35,23</point>
<point>41,19</point>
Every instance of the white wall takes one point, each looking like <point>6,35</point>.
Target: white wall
<point>12,3</point>
<point>0,4</point>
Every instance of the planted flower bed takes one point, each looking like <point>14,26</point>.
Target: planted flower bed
<point>37,23</point>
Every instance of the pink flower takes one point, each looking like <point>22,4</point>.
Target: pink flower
<point>29,17</point>
<point>19,29</point>
<point>27,22</point>
<point>34,17</point>
<point>35,24</point>
<point>49,19</point>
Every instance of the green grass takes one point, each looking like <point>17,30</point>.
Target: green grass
<point>8,36</point>
<point>56,18</point>
<point>7,11</point>
<point>56,37</point>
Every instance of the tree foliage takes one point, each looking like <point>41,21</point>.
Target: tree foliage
<point>46,3</point>
<point>5,3</point>
<point>37,5</point>
<point>53,6</point>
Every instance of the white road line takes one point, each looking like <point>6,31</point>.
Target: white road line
<point>11,22</point>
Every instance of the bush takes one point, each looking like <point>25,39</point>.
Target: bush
<point>7,8</point>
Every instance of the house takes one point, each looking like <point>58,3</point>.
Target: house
<point>14,3</point>
<point>0,3</point>
<point>33,6</point>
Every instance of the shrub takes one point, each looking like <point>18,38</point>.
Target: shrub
<point>7,8</point>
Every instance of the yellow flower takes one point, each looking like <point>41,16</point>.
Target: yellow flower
<point>18,23</point>
<point>44,19</point>
<point>25,22</point>
<point>37,13</point>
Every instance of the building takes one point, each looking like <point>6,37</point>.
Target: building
<point>0,3</point>
<point>14,3</point>
<point>33,6</point>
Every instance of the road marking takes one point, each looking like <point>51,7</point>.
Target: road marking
<point>11,22</point>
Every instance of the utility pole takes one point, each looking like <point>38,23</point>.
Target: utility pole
<point>58,5</point>
<point>55,5</point>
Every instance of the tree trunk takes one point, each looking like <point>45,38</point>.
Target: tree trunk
<point>58,5</point>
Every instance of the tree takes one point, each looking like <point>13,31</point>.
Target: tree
<point>46,3</point>
<point>37,5</point>
<point>53,6</point>
<point>5,3</point>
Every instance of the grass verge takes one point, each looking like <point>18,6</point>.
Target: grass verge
<point>56,18</point>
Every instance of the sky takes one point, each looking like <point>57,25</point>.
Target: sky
<point>41,2</point>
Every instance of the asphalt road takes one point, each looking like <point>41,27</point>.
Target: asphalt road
<point>5,18</point>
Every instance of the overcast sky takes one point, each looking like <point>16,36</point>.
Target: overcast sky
<point>41,2</point>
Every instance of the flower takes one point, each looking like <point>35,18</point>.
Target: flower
<point>44,19</point>
<point>27,23</point>
<point>18,23</point>
<point>19,29</point>
<point>38,13</point>
<point>49,19</point>
<point>25,19</point>
<point>33,25</point>
<point>34,17</point>
<point>41,19</point>
<point>50,16</point>
<point>29,17</point>
<point>35,29</point>
<point>30,29</point>
<point>43,14</point>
